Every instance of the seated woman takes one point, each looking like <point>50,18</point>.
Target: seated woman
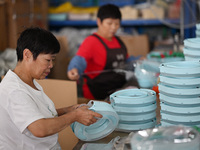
<point>29,120</point>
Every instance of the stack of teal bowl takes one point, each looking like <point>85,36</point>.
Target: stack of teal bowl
<point>197,30</point>
<point>136,109</point>
<point>191,49</point>
<point>179,89</point>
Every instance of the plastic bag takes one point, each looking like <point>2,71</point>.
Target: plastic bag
<point>166,138</point>
<point>147,73</point>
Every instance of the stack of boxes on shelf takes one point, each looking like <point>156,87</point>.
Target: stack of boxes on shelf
<point>179,93</point>
<point>136,109</point>
<point>3,26</point>
<point>86,9</point>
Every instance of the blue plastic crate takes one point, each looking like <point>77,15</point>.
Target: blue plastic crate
<point>91,3</point>
<point>84,3</point>
<point>55,3</point>
<point>119,3</point>
<point>77,3</point>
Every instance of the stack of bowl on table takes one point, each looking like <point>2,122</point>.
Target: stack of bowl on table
<point>191,49</point>
<point>180,93</point>
<point>136,109</point>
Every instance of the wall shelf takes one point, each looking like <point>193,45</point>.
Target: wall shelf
<point>138,22</point>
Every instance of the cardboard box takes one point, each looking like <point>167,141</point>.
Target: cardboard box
<point>153,12</point>
<point>3,26</point>
<point>173,11</point>
<point>59,71</point>
<point>136,45</point>
<point>62,93</point>
<point>22,14</point>
<point>41,13</point>
<point>129,13</point>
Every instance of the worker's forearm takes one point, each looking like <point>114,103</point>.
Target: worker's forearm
<point>62,111</point>
<point>50,126</point>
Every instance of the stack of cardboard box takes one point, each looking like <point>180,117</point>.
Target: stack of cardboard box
<point>19,14</point>
<point>3,26</point>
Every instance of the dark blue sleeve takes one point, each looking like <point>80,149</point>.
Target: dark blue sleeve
<point>132,58</point>
<point>79,63</point>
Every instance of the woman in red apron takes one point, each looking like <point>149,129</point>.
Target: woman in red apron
<point>99,56</point>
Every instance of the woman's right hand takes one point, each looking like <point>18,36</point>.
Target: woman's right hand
<point>86,116</point>
<point>73,74</point>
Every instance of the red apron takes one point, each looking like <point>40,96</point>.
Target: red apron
<point>108,82</point>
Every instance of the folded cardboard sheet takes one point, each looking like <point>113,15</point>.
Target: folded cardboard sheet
<point>63,93</point>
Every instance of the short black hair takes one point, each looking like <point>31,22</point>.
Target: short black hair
<point>38,41</point>
<point>109,11</point>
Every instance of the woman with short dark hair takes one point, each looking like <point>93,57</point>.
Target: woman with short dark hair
<point>29,119</point>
